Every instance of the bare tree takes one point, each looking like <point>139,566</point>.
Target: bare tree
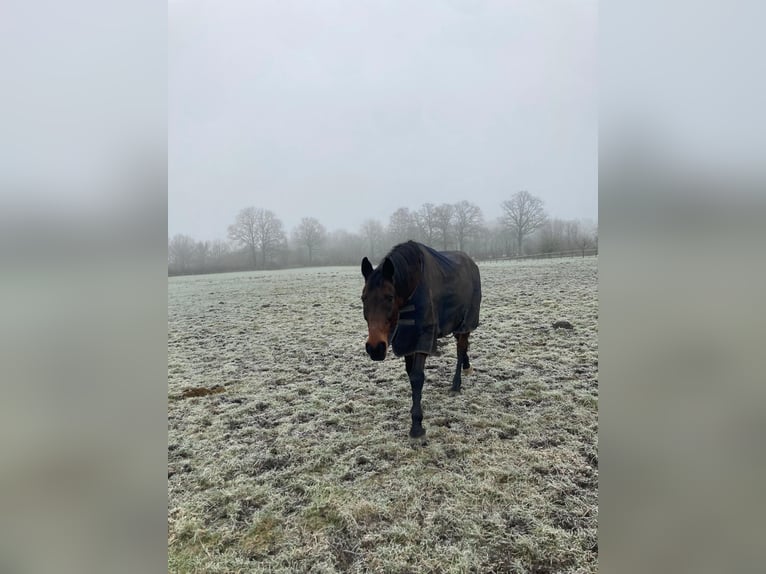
<point>271,235</point>
<point>180,253</point>
<point>373,234</point>
<point>243,231</point>
<point>564,235</point>
<point>524,213</point>
<point>587,236</point>
<point>201,256</point>
<point>344,248</point>
<point>572,233</point>
<point>481,243</point>
<point>498,240</point>
<point>258,229</point>
<point>402,226</point>
<point>425,218</point>
<point>468,221</point>
<point>219,252</point>
<point>443,215</point>
<point>551,236</point>
<point>219,249</point>
<point>310,233</point>
<point>280,251</point>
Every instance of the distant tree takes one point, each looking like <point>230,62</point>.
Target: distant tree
<point>219,249</point>
<point>270,235</point>
<point>243,231</point>
<point>201,256</point>
<point>587,236</point>
<point>258,229</point>
<point>572,232</point>
<point>425,219</point>
<point>480,243</point>
<point>564,235</point>
<point>443,217</point>
<point>280,252</point>
<point>310,234</point>
<point>467,222</point>
<point>181,253</point>
<point>524,213</point>
<point>374,235</point>
<point>551,236</point>
<point>402,226</point>
<point>499,240</point>
<point>344,248</point>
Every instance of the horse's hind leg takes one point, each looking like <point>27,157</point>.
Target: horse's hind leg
<point>463,363</point>
<point>467,368</point>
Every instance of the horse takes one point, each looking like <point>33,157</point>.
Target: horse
<point>414,296</point>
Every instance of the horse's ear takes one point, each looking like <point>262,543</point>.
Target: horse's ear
<point>388,269</point>
<point>366,268</point>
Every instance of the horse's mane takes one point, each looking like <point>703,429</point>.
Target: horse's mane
<point>408,261</point>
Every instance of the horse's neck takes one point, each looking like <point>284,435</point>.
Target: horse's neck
<point>410,282</point>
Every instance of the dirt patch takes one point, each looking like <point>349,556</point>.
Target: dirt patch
<point>201,391</point>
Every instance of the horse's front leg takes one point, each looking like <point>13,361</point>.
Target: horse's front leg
<point>415,365</point>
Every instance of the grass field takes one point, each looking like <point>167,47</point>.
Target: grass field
<point>294,457</point>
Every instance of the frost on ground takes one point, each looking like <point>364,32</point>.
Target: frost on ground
<point>288,447</point>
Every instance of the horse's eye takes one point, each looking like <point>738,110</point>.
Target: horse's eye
<point>389,298</point>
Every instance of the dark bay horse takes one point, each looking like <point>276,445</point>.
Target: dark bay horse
<point>416,295</point>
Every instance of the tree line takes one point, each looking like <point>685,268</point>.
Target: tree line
<point>257,238</point>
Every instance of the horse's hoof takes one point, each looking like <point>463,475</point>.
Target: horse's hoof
<point>468,371</point>
<point>417,435</point>
<point>418,441</point>
<point>454,392</point>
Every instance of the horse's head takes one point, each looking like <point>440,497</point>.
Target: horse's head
<point>381,307</point>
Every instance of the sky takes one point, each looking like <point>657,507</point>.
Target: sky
<point>348,110</point>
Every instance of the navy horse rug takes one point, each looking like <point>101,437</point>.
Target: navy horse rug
<point>446,299</point>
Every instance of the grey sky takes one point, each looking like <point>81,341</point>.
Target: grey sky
<point>346,110</point>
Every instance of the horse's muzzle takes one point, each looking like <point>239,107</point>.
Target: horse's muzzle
<point>378,352</point>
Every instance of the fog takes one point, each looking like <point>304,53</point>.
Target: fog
<point>345,111</point>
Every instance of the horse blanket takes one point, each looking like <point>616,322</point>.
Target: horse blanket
<point>446,300</point>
